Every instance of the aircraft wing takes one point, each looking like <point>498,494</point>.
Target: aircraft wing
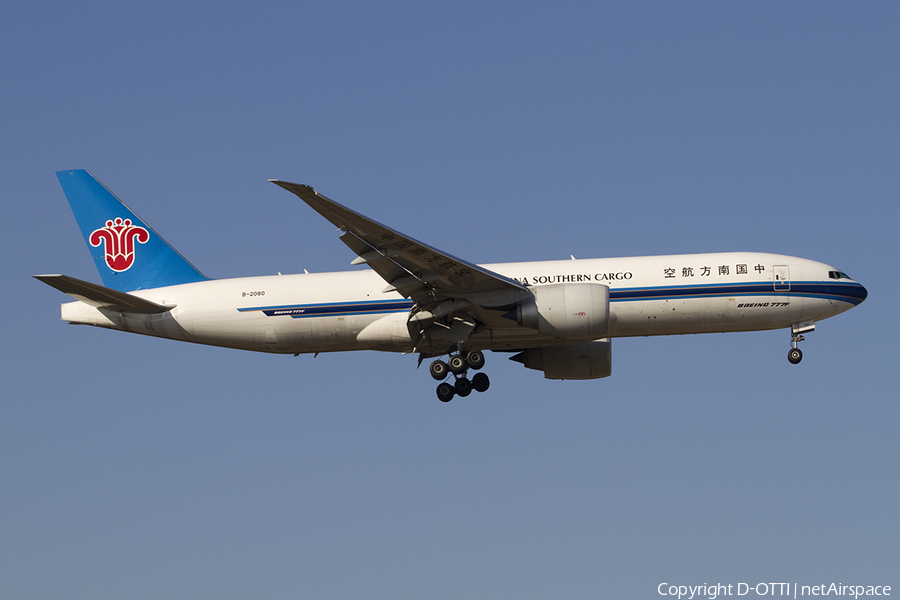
<point>101,297</point>
<point>438,282</point>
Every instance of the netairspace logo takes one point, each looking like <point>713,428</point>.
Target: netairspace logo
<point>770,589</point>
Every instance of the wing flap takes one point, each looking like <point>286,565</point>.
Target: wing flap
<point>101,297</point>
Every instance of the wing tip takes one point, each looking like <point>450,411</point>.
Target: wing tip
<point>291,186</point>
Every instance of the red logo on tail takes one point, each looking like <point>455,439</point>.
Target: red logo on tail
<point>119,237</point>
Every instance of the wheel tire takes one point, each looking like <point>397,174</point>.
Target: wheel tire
<point>445,392</point>
<point>795,356</point>
<point>481,382</point>
<point>439,370</point>
<point>463,387</point>
<point>457,364</point>
<point>475,359</point>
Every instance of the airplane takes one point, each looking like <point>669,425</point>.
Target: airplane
<point>557,316</point>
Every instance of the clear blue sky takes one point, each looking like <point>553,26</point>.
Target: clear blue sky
<point>498,131</point>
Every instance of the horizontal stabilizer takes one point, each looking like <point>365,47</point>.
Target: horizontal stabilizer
<point>101,297</point>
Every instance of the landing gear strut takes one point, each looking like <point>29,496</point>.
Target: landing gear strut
<point>458,365</point>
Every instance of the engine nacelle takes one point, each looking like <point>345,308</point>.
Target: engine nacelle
<point>591,360</point>
<point>572,311</point>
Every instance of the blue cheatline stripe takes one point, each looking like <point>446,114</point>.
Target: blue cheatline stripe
<point>853,293</point>
<point>332,309</point>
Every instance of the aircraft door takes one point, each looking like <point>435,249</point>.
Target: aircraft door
<point>782,278</point>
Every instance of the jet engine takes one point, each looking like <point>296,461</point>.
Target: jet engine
<point>571,311</point>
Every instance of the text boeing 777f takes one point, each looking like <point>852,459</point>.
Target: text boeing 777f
<point>556,316</point>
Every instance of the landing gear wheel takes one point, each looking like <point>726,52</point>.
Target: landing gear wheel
<point>795,356</point>
<point>463,387</point>
<point>475,359</point>
<point>481,382</point>
<point>457,364</point>
<point>445,392</point>
<point>439,370</point>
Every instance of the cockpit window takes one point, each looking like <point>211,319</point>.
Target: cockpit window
<point>837,275</point>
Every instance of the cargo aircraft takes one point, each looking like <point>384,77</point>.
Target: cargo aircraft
<point>557,316</point>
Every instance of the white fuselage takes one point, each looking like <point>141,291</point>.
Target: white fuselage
<point>651,295</point>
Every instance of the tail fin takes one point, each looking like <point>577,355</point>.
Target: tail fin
<point>127,252</point>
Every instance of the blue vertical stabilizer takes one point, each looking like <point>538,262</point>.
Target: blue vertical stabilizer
<point>127,252</point>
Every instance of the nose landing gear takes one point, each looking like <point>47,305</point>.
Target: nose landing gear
<point>797,331</point>
<point>458,365</point>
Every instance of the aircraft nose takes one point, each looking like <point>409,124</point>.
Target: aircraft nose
<point>857,293</point>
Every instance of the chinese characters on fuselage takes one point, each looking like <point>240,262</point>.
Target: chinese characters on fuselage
<point>740,269</point>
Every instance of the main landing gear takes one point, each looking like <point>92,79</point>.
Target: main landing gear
<point>458,365</point>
